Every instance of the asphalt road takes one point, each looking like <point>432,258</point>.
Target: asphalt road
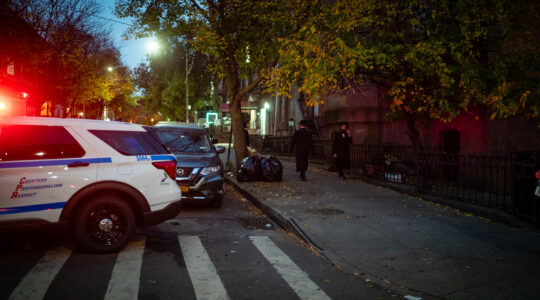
<point>204,253</point>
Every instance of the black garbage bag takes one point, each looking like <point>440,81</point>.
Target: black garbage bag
<point>250,169</point>
<point>271,169</point>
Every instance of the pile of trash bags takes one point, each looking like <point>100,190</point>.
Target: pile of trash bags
<point>260,168</point>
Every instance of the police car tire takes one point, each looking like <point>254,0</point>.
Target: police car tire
<point>116,219</point>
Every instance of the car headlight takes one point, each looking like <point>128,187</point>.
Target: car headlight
<point>210,170</point>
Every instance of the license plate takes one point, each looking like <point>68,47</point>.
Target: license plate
<point>184,189</point>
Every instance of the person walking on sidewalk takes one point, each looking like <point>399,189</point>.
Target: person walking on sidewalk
<point>340,148</point>
<point>302,143</point>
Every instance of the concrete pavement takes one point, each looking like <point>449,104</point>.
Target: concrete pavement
<point>406,244</point>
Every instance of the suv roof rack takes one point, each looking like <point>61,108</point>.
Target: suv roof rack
<point>179,124</point>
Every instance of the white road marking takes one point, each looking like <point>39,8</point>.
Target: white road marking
<point>201,270</point>
<point>297,279</point>
<point>35,284</point>
<point>126,274</point>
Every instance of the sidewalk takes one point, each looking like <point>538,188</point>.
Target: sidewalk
<point>408,245</point>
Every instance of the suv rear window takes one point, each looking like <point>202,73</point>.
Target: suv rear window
<point>130,142</point>
<point>31,142</point>
<point>181,140</point>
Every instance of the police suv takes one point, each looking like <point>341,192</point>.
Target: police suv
<point>96,180</point>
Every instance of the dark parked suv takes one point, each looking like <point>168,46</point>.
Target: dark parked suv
<point>199,171</point>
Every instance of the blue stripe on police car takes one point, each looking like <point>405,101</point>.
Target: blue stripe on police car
<point>56,162</point>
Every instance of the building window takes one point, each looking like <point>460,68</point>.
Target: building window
<point>449,141</point>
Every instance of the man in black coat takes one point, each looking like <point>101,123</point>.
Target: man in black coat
<point>302,142</point>
<point>340,148</point>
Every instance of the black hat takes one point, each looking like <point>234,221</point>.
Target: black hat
<point>344,123</point>
<point>303,123</point>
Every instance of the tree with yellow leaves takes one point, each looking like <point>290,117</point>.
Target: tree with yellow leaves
<point>242,38</point>
<point>435,58</point>
<point>431,56</point>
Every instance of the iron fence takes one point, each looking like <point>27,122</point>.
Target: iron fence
<point>495,181</point>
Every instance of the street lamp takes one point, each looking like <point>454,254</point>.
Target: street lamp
<point>152,46</point>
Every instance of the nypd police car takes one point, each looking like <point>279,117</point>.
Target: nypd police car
<point>96,180</point>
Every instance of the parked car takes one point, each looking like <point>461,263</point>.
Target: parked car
<point>96,180</point>
<point>199,171</point>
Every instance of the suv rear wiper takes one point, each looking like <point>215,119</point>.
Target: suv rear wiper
<point>186,146</point>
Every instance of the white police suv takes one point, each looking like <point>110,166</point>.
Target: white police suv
<point>97,180</point>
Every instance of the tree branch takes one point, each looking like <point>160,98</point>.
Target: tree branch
<point>255,82</point>
<point>203,12</point>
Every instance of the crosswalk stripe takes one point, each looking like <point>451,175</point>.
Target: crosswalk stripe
<point>124,282</point>
<point>297,279</point>
<point>201,270</point>
<point>35,284</point>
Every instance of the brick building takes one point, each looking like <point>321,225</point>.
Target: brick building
<point>364,109</point>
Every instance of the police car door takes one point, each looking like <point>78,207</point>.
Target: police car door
<point>41,167</point>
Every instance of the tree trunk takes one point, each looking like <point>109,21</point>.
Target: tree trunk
<point>99,110</point>
<point>72,109</point>
<point>414,134</point>
<point>240,147</point>
<point>235,95</point>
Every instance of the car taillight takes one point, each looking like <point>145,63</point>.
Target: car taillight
<point>168,166</point>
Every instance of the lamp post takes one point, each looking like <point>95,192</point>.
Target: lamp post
<point>110,70</point>
<point>187,86</point>
<point>188,70</point>
<point>153,46</point>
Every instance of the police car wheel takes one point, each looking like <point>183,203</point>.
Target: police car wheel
<point>104,225</point>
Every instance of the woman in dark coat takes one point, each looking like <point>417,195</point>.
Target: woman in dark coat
<point>340,148</point>
<point>302,142</point>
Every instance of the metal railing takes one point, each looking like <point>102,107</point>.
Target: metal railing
<point>495,181</point>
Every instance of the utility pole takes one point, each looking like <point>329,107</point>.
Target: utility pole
<point>187,88</point>
<point>188,70</point>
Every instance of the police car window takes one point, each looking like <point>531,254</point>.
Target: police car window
<point>130,142</point>
<point>31,142</point>
<point>184,141</point>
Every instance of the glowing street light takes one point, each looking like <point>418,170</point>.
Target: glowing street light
<point>152,46</point>
<point>110,69</point>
